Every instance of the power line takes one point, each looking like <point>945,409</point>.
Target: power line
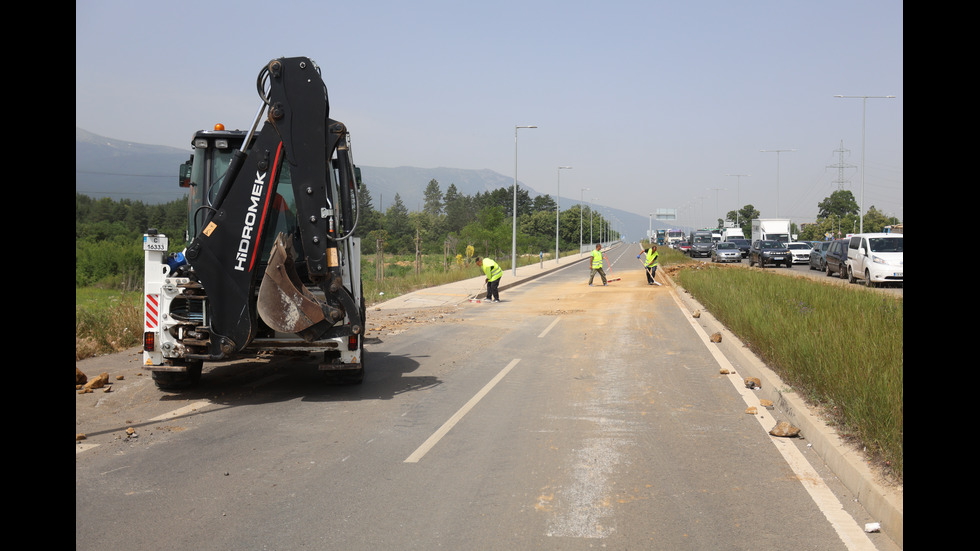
<point>124,174</point>
<point>840,166</point>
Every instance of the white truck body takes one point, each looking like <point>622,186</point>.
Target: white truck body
<point>776,229</point>
<point>732,233</point>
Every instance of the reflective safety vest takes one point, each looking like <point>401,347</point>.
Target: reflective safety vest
<point>596,260</point>
<point>492,270</point>
<point>652,258</point>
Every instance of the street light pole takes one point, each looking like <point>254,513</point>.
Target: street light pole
<point>864,111</point>
<point>581,208</point>
<point>513,243</point>
<point>716,190</point>
<point>777,152</point>
<point>738,194</point>
<point>591,237</point>
<point>558,211</point>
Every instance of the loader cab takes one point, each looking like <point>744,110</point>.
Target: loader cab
<point>203,175</point>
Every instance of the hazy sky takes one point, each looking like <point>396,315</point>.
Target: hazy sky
<point>654,104</point>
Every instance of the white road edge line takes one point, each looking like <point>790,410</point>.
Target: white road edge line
<point>847,529</point>
<point>448,425</point>
<point>554,323</point>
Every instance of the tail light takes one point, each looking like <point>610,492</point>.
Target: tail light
<point>352,342</point>
<point>148,341</point>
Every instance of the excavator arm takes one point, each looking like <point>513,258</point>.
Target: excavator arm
<point>226,255</point>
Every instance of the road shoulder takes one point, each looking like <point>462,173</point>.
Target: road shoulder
<point>884,501</point>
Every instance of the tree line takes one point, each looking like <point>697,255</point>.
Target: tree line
<point>450,221</point>
<point>108,232</point>
<point>109,238</point>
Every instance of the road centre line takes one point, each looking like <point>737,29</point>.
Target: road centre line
<point>448,425</point>
<point>847,529</point>
<point>554,323</point>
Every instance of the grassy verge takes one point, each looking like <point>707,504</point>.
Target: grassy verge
<point>106,321</point>
<point>840,347</point>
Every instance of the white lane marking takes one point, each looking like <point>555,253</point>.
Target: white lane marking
<point>79,448</point>
<point>554,323</point>
<point>847,529</point>
<point>448,425</point>
<point>181,411</point>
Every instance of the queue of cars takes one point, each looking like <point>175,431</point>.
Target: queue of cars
<point>875,258</point>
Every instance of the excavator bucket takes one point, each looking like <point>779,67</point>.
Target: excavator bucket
<point>284,302</point>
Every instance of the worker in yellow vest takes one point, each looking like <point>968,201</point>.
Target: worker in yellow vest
<point>597,265</point>
<point>493,272</point>
<point>650,262</point>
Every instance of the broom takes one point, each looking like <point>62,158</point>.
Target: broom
<point>611,278</point>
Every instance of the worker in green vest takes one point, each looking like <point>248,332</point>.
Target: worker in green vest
<point>650,262</point>
<point>493,272</point>
<point>597,265</point>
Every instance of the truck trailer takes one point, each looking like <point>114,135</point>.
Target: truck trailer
<point>771,229</point>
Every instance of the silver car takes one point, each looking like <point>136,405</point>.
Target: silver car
<point>725,252</point>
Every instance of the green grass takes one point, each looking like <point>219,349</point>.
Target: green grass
<point>106,321</point>
<point>840,347</point>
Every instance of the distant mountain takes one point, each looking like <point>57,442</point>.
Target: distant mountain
<point>105,167</point>
<point>410,183</point>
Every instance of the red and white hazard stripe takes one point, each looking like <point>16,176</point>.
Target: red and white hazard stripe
<point>151,312</point>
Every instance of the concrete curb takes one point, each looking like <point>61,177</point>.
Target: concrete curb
<point>886,505</point>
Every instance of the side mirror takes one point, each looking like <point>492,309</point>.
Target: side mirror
<point>184,175</point>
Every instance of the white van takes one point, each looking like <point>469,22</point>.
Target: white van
<point>876,258</point>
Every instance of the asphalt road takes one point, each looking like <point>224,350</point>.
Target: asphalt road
<point>564,417</point>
